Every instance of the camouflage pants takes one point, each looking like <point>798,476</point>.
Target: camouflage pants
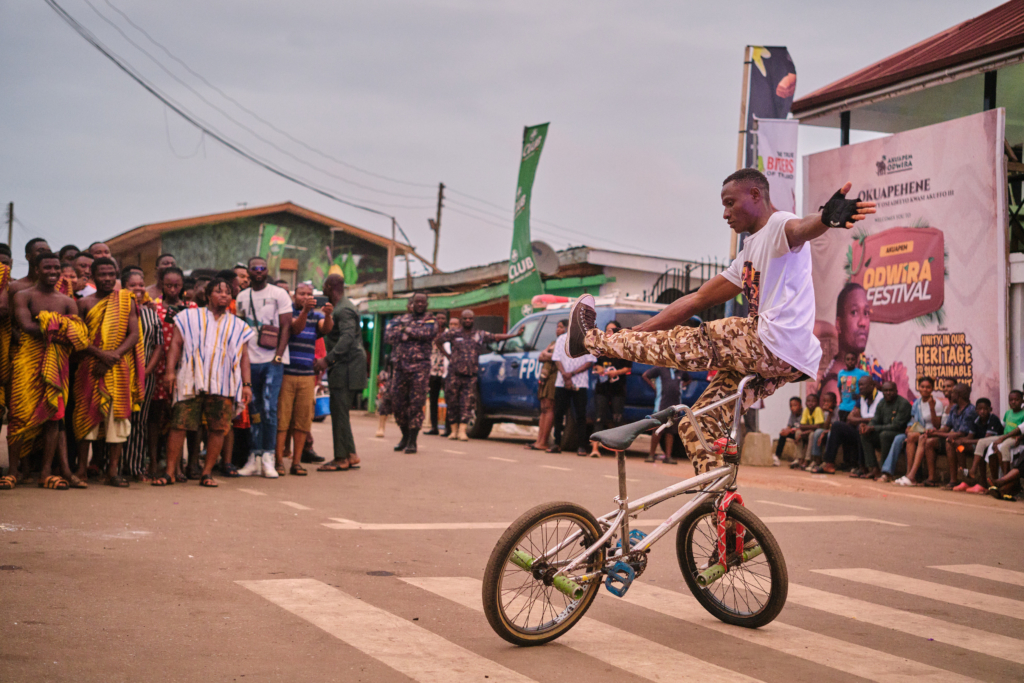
<point>459,392</point>
<point>730,346</point>
<point>408,393</point>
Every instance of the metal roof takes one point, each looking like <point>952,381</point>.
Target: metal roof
<point>979,40</point>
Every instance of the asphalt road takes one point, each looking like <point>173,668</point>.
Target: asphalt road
<point>321,579</point>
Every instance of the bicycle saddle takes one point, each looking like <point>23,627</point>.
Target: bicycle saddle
<point>620,438</point>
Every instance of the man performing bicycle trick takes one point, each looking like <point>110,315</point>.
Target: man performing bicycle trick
<point>776,342</point>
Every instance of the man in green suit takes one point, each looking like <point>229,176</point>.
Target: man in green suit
<point>346,373</point>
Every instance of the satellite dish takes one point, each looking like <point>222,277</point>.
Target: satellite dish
<point>544,257</point>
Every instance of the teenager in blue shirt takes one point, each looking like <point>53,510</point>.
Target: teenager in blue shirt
<point>849,385</point>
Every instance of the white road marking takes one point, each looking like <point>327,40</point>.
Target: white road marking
<point>985,572</point>
<point>782,505</point>
<point>353,525</point>
<point>454,452</point>
<point>414,651</point>
<point>552,467</point>
<point>612,476</point>
<point>932,591</point>
<point>965,637</point>
<point>494,457</point>
<point>252,492</point>
<point>825,479</point>
<point>297,506</point>
<point>840,655</point>
<point>627,651</point>
<point>1009,509</point>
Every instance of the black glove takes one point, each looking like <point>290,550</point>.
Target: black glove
<point>838,211</point>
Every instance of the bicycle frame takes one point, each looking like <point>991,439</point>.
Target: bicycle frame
<point>710,483</point>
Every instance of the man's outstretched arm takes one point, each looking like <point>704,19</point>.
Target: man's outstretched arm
<point>715,291</point>
<point>839,212</point>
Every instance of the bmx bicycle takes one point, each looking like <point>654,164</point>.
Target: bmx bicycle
<point>548,566</point>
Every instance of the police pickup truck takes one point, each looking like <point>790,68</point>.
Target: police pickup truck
<point>508,375</point>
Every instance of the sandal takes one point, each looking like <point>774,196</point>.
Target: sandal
<point>77,483</point>
<point>163,480</point>
<point>931,484</point>
<point>298,470</point>
<point>553,449</point>
<point>8,482</point>
<point>207,481</point>
<point>281,471</point>
<point>531,447</point>
<point>332,466</point>
<point>796,465</point>
<point>54,482</point>
<point>116,481</point>
<point>229,470</point>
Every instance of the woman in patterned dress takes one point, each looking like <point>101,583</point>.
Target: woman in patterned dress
<point>153,353</point>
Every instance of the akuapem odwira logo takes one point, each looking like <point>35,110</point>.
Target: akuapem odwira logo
<point>902,272</point>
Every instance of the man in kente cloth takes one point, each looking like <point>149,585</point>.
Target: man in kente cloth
<point>775,342</point>
<point>108,382</point>
<point>47,330</point>
<point>410,336</point>
<point>5,334</point>
<point>464,362</point>
<point>34,247</point>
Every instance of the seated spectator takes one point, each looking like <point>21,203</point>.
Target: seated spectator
<point>1003,444</point>
<point>986,427</point>
<point>819,437</point>
<point>790,431</point>
<point>1006,486</point>
<point>958,424</point>
<point>811,420</point>
<point>925,419</point>
<point>890,419</point>
<point>846,433</point>
<point>849,381</point>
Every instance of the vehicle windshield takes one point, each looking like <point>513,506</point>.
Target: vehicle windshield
<point>524,343</point>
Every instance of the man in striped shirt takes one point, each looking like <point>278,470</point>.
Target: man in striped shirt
<point>213,374</point>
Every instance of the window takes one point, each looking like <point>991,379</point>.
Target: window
<point>631,319</point>
<point>548,332</point>
<point>524,343</point>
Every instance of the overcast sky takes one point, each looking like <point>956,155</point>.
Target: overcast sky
<point>642,98</point>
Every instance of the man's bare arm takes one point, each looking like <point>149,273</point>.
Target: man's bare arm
<point>802,230</point>
<point>23,314</point>
<point>715,291</point>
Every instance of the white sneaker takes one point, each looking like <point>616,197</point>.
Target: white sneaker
<point>775,461</point>
<point>269,463</point>
<point>904,481</point>
<point>252,466</point>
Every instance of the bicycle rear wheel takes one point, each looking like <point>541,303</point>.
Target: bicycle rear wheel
<point>751,593</point>
<point>521,602</point>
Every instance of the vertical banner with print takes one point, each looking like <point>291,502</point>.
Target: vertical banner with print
<point>776,158</point>
<point>771,90</point>
<point>524,281</point>
<point>275,237</point>
<point>919,288</point>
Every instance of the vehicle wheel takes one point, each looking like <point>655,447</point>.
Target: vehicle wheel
<point>478,427</point>
<point>520,606</point>
<point>751,593</point>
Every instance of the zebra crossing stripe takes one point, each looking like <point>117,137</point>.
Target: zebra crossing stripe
<point>414,651</point>
<point>353,525</point>
<point>985,572</point>
<point>919,625</point>
<point>933,591</point>
<point>637,655</point>
<point>873,665</point>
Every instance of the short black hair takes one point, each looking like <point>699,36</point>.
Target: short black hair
<point>213,284</point>
<point>848,289</point>
<point>984,400</point>
<point>128,271</point>
<point>227,275</point>
<point>1017,391</point>
<point>85,254</point>
<point>614,322</point>
<point>188,282</point>
<point>926,378</point>
<point>94,244</point>
<point>254,258</point>
<point>66,248</point>
<point>31,242</point>
<point>102,261</point>
<point>163,256</point>
<point>749,175</point>
<point>797,399</point>
<point>565,322</point>
<point>833,395</point>
<point>5,250</point>
<point>175,269</point>
<point>43,256</point>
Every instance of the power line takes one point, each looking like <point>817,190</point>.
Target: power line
<point>252,113</point>
<point>180,111</point>
<point>238,123</point>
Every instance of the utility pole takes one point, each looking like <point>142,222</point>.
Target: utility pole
<point>391,260</point>
<point>435,223</point>
<point>10,225</point>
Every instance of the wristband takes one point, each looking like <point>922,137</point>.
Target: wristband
<point>247,384</point>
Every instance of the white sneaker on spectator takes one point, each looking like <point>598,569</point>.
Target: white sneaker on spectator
<point>269,465</point>
<point>775,461</point>
<point>252,466</point>
<point>904,481</point>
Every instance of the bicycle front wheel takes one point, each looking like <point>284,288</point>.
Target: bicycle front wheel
<point>753,591</point>
<point>523,601</point>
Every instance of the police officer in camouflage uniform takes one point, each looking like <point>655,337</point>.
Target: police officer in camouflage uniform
<point>410,336</point>
<point>463,365</point>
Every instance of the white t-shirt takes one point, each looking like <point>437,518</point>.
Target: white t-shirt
<point>267,304</point>
<point>776,281</point>
<point>580,380</point>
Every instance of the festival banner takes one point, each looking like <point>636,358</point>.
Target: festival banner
<point>776,158</point>
<point>523,279</point>
<point>919,288</point>
<point>771,88</point>
<point>272,242</point>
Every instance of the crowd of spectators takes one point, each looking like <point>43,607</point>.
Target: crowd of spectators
<point>103,377</point>
<point>881,434</point>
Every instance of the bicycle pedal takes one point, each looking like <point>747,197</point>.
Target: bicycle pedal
<point>635,536</point>
<point>622,574</point>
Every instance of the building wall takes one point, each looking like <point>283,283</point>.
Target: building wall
<point>222,245</point>
<point>144,257</point>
